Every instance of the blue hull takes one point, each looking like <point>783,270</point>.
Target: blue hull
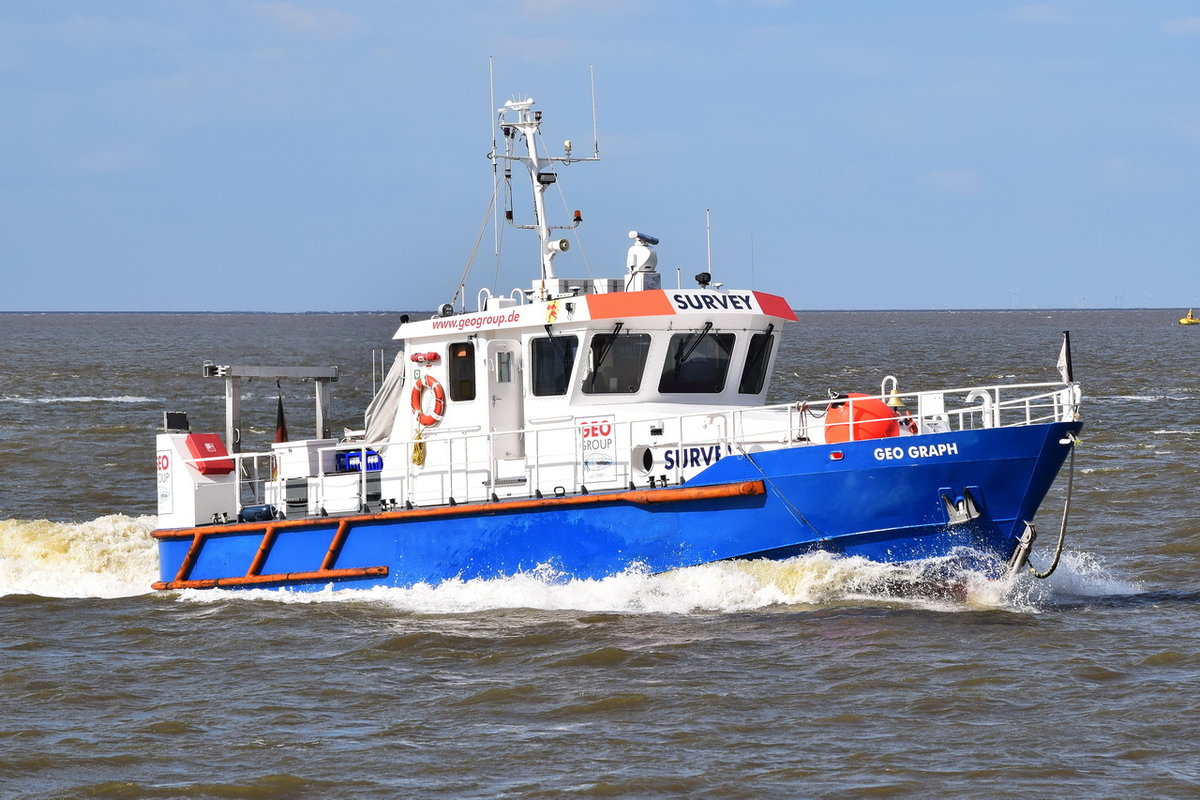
<point>887,500</point>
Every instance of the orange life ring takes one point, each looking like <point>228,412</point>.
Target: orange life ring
<point>439,401</point>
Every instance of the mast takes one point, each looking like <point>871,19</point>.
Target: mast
<point>520,126</point>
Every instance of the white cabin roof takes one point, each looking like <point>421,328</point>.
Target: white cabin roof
<point>723,307</point>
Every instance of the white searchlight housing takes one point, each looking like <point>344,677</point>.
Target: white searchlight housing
<point>641,261</point>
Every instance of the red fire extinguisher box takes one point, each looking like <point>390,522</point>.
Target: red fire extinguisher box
<point>209,445</point>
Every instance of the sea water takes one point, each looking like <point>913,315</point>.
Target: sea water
<point>813,677</point>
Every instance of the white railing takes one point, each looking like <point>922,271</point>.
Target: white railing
<point>459,467</point>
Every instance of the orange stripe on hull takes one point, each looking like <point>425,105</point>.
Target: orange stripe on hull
<point>636,497</point>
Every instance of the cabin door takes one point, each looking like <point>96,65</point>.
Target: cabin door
<point>506,403</point>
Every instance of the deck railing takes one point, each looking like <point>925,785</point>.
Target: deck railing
<point>457,466</point>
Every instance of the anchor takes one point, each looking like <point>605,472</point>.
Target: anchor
<point>963,510</point>
<point>1020,556</point>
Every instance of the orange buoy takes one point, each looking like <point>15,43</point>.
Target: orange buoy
<point>439,401</point>
<point>872,419</point>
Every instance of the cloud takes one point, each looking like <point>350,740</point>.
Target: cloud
<point>106,161</point>
<point>1125,174</point>
<point>9,55</point>
<point>299,19</point>
<point>85,31</point>
<point>952,181</point>
<point>1039,14</point>
<point>610,8</point>
<point>1188,130</point>
<point>853,60</point>
<point>1183,27</point>
<point>536,7</point>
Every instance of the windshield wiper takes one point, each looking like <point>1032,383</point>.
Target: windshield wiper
<point>755,356</point>
<point>562,356</point>
<point>692,348</point>
<point>604,352</point>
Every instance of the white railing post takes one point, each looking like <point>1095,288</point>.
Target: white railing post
<point>678,449</point>
<point>448,487</point>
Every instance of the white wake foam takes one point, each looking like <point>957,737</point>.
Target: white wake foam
<point>816,580</point>
<point>79,399</point>
<point>112,556</point>
<point>1079,576</point>
<point>115,556</point>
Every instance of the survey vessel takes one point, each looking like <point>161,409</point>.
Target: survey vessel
<point>581,427</point>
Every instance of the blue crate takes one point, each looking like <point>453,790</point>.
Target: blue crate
<point>351,461</point>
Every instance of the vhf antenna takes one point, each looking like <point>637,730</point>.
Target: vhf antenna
<point>595,134</point>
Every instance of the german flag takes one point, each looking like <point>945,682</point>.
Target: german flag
<point>281,434</point>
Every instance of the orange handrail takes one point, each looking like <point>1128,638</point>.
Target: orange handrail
<point>281,577</point>
<point>193,553</point>
<point>253,578</point>
<point>264,549</point>
<point>335,546</point>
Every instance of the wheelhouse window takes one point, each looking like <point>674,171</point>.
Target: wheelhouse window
<point>553,358</point>
<point>758,356</point>
<point>697,362</point>
<point>461,369</point>
<point>617,361</point>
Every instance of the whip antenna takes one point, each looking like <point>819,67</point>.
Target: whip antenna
<point>595,134</point>
<point>495,172</point>
<point>708,236</point>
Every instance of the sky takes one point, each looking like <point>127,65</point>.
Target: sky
<point>231,155</point>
